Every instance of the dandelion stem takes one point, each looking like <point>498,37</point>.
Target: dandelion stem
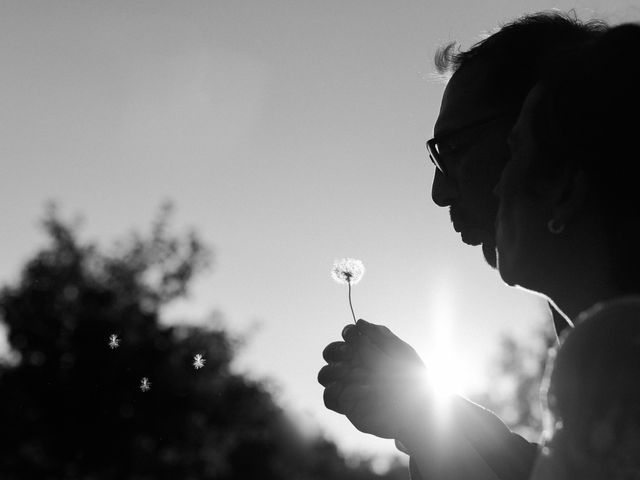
<point>350,304</point>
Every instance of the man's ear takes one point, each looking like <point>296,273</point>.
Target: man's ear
<point>570,195</point>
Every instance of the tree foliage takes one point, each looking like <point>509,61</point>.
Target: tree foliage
<point>515,391</point>
<point>71,407</point>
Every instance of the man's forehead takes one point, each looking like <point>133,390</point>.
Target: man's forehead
<point>466,99</point>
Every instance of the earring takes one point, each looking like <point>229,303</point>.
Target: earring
<point>555,226</point>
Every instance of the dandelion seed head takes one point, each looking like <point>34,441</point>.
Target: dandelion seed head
<point>347,271</point>
<point>198,361</point>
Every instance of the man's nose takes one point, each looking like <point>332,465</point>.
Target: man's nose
<point>444,190</point>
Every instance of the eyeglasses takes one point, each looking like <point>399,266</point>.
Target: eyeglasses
<point>443,146</point>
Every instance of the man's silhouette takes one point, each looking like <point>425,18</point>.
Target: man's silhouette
<point>369,376</point>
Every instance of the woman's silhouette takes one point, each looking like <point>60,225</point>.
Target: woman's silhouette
<point>568,229</point>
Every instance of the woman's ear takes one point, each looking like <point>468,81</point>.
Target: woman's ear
<point>569,195</point>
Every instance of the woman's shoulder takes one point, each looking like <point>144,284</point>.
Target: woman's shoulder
<point>615,318</point>
<point>607,333</point>
<point>619,307</point>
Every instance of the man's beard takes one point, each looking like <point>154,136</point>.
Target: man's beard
<point>489,252</point>
<point>484,237</point>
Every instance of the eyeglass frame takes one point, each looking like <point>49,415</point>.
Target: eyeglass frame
<point>432,143</point>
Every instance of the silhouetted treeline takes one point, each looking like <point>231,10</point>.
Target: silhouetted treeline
<point>71,405</point>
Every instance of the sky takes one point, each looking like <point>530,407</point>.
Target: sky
<point>288,134</point>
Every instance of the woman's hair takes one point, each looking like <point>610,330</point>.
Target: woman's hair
<point>588,118</point>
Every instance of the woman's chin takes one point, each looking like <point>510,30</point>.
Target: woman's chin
<point>505,267</point>
<point>516,276</point>
<point>508,279</point>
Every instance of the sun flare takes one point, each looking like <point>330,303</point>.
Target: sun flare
<point>446,375</point>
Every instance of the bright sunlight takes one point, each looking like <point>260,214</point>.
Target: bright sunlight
<point>446,373</point>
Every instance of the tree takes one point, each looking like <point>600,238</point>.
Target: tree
<point>518,371</point>
<point>72,404</point>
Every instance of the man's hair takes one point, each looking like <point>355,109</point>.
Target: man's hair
<point>588,119</point>
<point>514,54</point>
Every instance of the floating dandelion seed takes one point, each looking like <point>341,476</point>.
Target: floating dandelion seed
<point>114,341</point>
<point>349,271</point>
<point>145,384</point>
<point>198,361</point>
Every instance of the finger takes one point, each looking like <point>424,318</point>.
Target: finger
<point>332,372</point>
<point>365,410</point>
<point>350,333</point>
<point>330,396</point>
<point>384,369</point>
<point>337,352</point>
<point>356,375</point>
<point>371,357</point>
<point>386,340</point>
<point>353,400</point>
<point>376,333</point>
<point>379,366</point>
<point>344,372</point>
